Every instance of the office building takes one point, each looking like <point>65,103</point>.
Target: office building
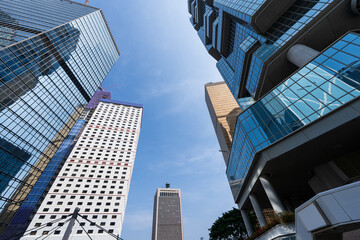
<point>223,110</point>
<point>53,57</point>
<point>293,67</point>
<point>167,215</point>
<point>96,174</point>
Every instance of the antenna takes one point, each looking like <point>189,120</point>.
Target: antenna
<point>167,185</point>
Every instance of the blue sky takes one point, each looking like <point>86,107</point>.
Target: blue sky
<point>164,66</point>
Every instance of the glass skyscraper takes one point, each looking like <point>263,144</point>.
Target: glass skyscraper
<point>293,68</point>
<point>54,55</point>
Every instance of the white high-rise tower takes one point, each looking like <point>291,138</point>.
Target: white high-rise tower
<point>96,175</point>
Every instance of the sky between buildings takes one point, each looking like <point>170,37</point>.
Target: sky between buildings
<point>164,66</point>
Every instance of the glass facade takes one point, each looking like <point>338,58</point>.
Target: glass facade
<point>53,55</point>
<point>326,83</point>
<point>251,41</point>
<point>21,19</point>
<point>242,49</point>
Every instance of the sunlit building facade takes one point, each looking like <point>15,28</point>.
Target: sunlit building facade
<point>167,215</point>
<point>96,174</point>
<point>223,110</point>
<point>53,57</point>
<point>293,67</point>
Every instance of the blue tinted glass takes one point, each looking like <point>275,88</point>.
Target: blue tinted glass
<point>310,93</point>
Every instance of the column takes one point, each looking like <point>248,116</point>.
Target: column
<point>300,55</point>
<point>247,222</point>
<point>258,211</point>
<point>272,195</point>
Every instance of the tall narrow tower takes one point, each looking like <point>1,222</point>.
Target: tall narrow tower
<point>96,175</point>
<point>167,220</point>
<point>223,110</point>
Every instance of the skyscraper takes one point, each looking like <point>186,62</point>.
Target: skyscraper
<point>292,66</point>
<point>167,219</point>
<point>223,110</point>
<point>96,174</point>
<point>53,56</point>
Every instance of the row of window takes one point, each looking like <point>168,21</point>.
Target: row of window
<point>115,210</point>
<point>80,203</point>
<point>84,197</point>
<point>58,232</point>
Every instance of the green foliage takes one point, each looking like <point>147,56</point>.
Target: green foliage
<point>265,228</point>
<point>228,227</point>
<point>287,217</point>
<point>283,217</point>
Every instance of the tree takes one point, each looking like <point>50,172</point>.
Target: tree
<point>228,227</point>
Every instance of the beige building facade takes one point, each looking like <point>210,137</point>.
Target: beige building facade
<point>223,110</point>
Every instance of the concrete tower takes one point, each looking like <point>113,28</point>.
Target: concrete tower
<point>96,175</point>
<point>167,220</point>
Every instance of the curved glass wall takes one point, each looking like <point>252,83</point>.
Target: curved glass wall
<point>326,83</point>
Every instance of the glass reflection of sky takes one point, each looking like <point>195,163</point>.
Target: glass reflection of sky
<point>33,119</point>
<point>326,83</point>
<point>299,9</point>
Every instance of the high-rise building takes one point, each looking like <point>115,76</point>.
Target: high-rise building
<point>167,219</point>
<point>223,110</point>
<point>293,68</point>
<point>53,57</point>
<point>96,174</point>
